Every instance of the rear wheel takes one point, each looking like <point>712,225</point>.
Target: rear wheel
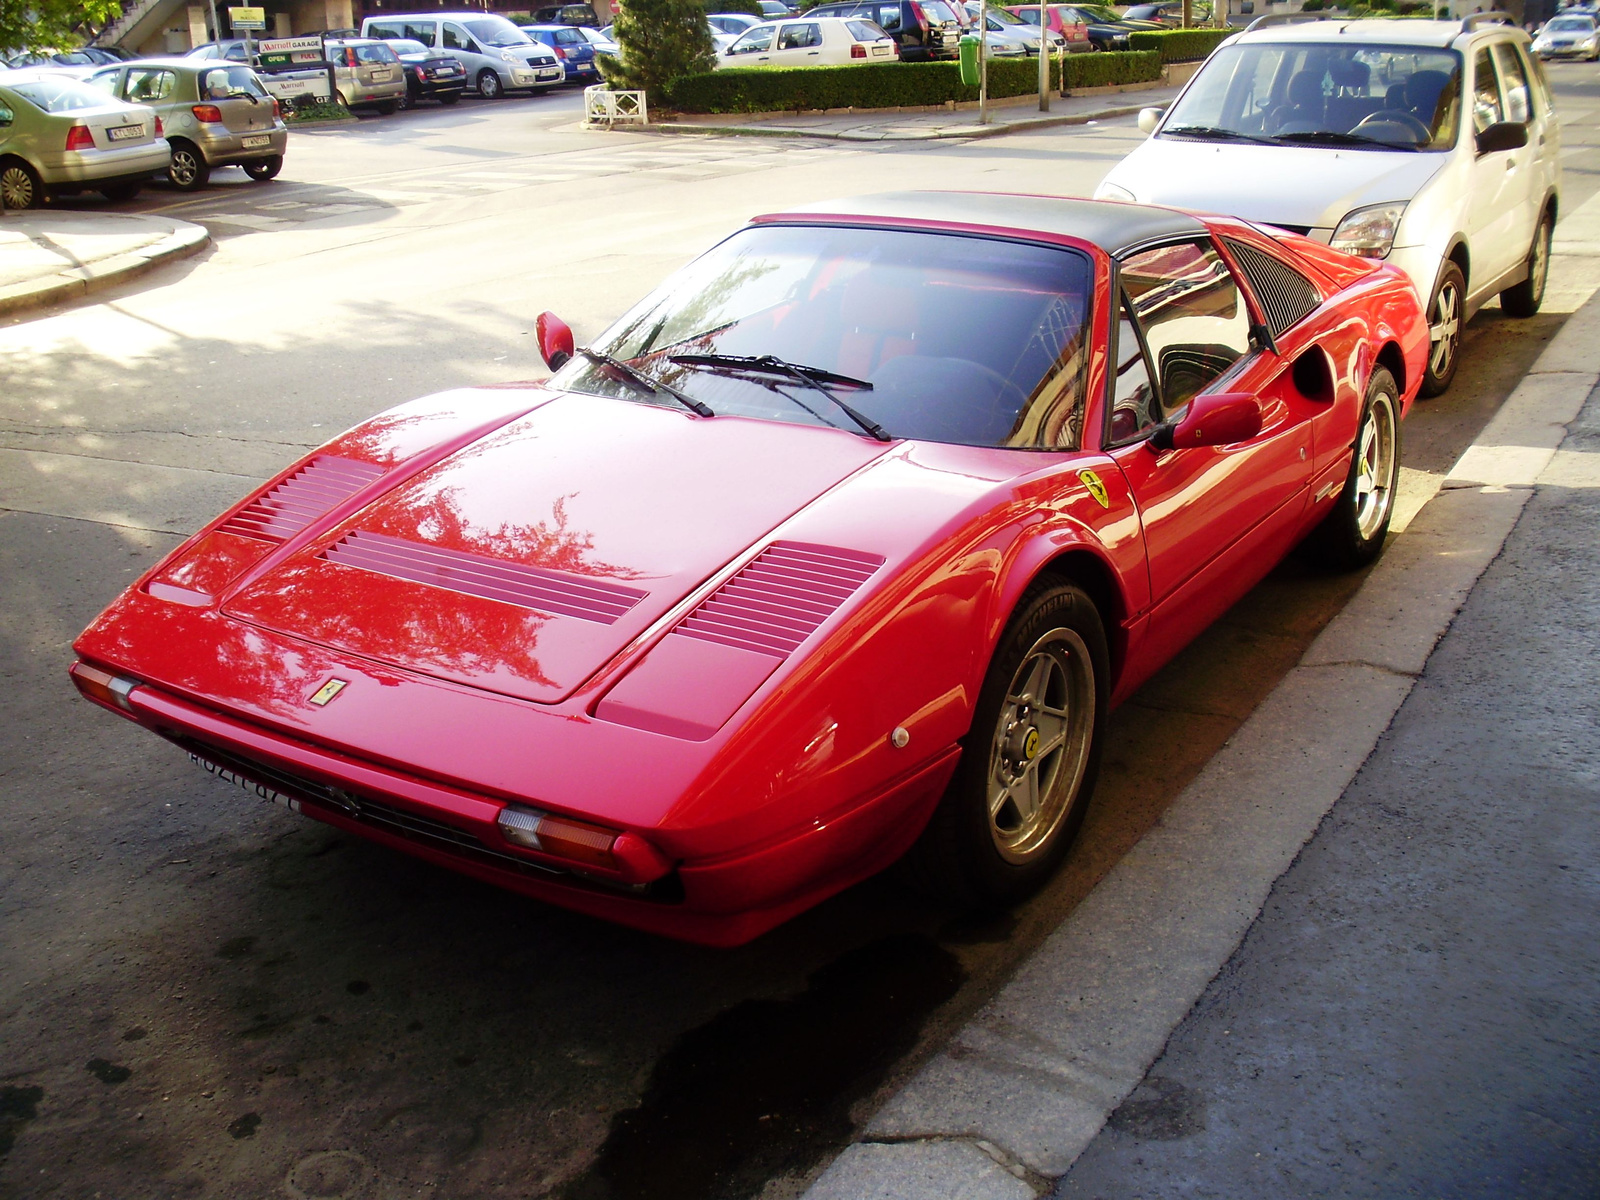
<point>1028,763</point>
<point>188,171</point>
<point>118,192</point>
<point>1444,329</point>
<point>1352,534</point>
<point>1524,299</point>
<point>489,85</point>
<point>20,187</point>
<point>264,169</point>
<point>408,100</point>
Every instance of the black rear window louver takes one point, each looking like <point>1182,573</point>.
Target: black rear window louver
<point>1286,296</point>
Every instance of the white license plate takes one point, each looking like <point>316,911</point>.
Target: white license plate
<point>125,133</point>
<point>880,49</point>
<point>249,785</point>
<point>448,71</point>
<point>250,143</point>
<point>380,75</point>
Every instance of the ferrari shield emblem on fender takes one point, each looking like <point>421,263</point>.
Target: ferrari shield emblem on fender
<point>328,691</point>
<point>1096,488</point>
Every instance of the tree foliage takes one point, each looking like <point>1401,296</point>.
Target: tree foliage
<point>49,24</point>
<point>660,40</point>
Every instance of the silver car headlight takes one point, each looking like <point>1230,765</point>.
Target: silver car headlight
<point>509,57</point>
<point>1368,231</point>
<point>1110,191</point>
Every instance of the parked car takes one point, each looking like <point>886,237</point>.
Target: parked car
<point>428,75</point>
<point>902,422</point>
<point>75,64</point>
<point>601,41</point>
<point>1105,30</point>
<point>922,29</point>
<point>60,137</point>
<point>565,14</point>
<point>776,10</point>
<point>1570,35</point>
<point>1011,28</point>
<point>569,44</point>
<point>496,55</point>
<point>810,42</point>
<point>367,74</point>
<point>733,24</point>
<point>231,49</point>
<point>1433,145</point>
<point>1168,14</point>
<point>214,114</point>
<point>1074,34</point>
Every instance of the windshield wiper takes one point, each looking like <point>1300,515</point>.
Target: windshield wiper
<point>812,377</point>
<point>1332,137</point>
<point>1214,132</point>
<point>644,383</point>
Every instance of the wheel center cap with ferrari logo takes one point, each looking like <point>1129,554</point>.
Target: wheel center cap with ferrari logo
<point>1030,745</point>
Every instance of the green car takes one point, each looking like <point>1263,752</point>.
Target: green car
<point>214,113</point>
<point>59,137</point>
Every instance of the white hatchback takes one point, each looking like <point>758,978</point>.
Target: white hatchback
<point>1432,144</point>
<point>817,42</point>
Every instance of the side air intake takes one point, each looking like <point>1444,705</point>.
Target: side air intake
<point>285,509</point>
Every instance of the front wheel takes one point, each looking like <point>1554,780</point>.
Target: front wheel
<point>489,86</point>
<point>1352,534</point>
<point>20,187</point>
<point>1444,329</point>
<point>188,171</point>
<point>264,169</point>
<point>1524,299</point>
<point>1029,761</point>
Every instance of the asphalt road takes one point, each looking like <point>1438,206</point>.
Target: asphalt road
<point>202,995</point>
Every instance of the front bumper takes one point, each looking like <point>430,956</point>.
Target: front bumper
<point>524,77</point>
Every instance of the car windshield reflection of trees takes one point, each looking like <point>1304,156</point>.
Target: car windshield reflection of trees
<point>972,340</point>
<point>1365,97</point>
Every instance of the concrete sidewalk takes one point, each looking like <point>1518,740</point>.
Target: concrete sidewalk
<point>1025,1089</point>
<point>1012,115</point>
<point>48,256</point>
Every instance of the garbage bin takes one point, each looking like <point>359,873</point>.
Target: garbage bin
<point>968,46</point>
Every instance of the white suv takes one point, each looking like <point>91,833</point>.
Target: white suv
<point>1356,133</point>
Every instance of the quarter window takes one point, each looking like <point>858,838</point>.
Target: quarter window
<point>1486,110</point>
<point>1194,319</point>
<point>1134,411</point>
<point>889,16</point>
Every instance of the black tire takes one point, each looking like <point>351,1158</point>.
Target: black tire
<point>449,97</point>
<point>977,856</point>
<point>489,85</point>
<point>386,107</point>
<point>1524,299</point>
<point>1444,329</point>
<point>408,101</point>
<point>20,186</point>
<point>1352,534</point>
<point>264,169</point>
<point>119,192</point>
<point>188,171</point>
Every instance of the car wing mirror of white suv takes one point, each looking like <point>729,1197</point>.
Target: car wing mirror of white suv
<point>6,117</point>
<point>1502,135</point>
<point>1149,118</point>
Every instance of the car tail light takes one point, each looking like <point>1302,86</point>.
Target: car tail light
<point>207,112</point>
<point>560,53</point>
<point>110,690</point>
<point>422,74</point>
<point>858,51</point>
<point>277,113</point>
<point>79,138</point>
<point>921,19</point>
<point>583,843</point>
<point>159,131</point>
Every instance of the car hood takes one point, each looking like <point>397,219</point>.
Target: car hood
<point>1309,186</point>
<point>525,562</point>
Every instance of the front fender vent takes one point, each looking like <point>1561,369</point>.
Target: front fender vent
<point>1287,297</point>
<point>780,597</point>
<point>286,508</point>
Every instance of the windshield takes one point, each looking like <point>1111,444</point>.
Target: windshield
<point>378,53</point>
<point>970,340</point>
<point>1104,15</point>
<point>60,95</point>
<point>1570,25</point>
<point>939,13</point>
<point>407,46</point>
<point>496,31</point>
<point>1361,96</point>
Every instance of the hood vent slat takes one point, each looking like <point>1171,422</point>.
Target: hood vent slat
<point>284,510</point>
<point>780,597</point>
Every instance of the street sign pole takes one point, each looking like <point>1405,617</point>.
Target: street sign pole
<point>1044,58</point>
<point>983,62</point>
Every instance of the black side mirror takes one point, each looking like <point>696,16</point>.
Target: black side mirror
<point>1502,135</point>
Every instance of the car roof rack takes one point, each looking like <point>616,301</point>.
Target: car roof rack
<point>1484,18</point>
<point>1284,19</point>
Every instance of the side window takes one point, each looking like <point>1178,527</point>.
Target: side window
<point>1134,411</point>
<point>421,31</point>
<point>796,37</point>
<point>1193,316</point>
<point>1486,110</point>
<point>1519,100</point>
<point>455,38</point>
<point>1541,84</point>
<point>384,29</point>
<point>106,81</point>
<point>889,17</point>
<point>146,86</point>
<point>755,39</point>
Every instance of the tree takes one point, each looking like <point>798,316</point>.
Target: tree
<point>660,40</point>
<point>47,24</point>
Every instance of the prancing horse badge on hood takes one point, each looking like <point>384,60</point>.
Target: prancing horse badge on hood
<point>327,691</point>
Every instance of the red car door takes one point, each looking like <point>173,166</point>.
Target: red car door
<point>1215,518</point>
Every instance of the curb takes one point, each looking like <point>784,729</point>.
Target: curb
<point>185,239</point>
<point>851,135</point>
<point>1023,1088</point>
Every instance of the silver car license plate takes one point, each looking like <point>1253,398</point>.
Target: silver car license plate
<point>250,143</point>
<point>125,133</point>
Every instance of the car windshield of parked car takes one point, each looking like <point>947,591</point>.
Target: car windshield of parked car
<point>59,95</point>
<point>1333,94</point>
<point>970,340</point>
<point>229,83</point>
<point>1103,16</point>
<point>406,46</point>
<point>496,31</point>
<point>1570,25</point>
<point>939,13</point>
<point>379,53</point>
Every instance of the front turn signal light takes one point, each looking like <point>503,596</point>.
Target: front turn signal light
<point>111,690</point>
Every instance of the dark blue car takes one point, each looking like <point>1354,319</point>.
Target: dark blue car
<point>574,50</point>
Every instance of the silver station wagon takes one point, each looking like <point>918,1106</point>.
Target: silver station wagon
<point>59,137</point>
<point>215,114</point>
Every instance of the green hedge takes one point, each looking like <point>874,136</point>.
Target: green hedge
<point>892,85</point>
<point>1179,45</point>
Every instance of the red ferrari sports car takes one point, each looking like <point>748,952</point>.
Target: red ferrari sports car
<point>840,545</point>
